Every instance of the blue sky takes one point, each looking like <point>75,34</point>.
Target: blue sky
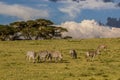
<point>59,11</point>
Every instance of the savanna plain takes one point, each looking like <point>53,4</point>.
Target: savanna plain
<point>106,66</point>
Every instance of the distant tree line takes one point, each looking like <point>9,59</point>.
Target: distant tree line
<point>30,30</point>
<point>114,22</point>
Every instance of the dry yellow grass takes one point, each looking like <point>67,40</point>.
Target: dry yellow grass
<point>106,66</point>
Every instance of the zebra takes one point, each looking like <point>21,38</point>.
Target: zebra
<point>73,54</point>
<point>56,55</point>
<point>31,55</point>
<point>42,55</point>
<point>93,53</point>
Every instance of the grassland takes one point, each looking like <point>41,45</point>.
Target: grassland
<point>13,65</point>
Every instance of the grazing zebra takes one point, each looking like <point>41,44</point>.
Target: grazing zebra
<point>102,46</point>
<point>56,55</point>
<point>73,54</point>
<point>42,55</point>
<point>93,53</point>
<point>31,55</point>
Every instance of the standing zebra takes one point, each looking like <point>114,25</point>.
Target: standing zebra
<point>56,55</point>
<point>73,54</point>
<point>92,54</point>
<point>31,55</point>
<point>42,55</point>
<point>102,46</point>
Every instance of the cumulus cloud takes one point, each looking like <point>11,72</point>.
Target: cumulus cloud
<point>22,12</point>
<point>89,29</point>
<point>73,8</point>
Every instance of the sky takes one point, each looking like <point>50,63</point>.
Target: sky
<point>58,11</point>
<point>80,17</point>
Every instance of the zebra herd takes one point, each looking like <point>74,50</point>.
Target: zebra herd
<point>42,56</point>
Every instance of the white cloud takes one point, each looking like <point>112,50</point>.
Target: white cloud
<point>73,8</point>
<point>89,29</point>
<point>22,12</point>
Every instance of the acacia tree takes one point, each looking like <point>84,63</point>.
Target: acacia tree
<point>18,25</point>
<point>6,32</point>
<point>44,22</point>
<point>46,32</point>
<point>29,33</point>
<point>58,31</point>
<point>39,28</point>
<point>29,30</point>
